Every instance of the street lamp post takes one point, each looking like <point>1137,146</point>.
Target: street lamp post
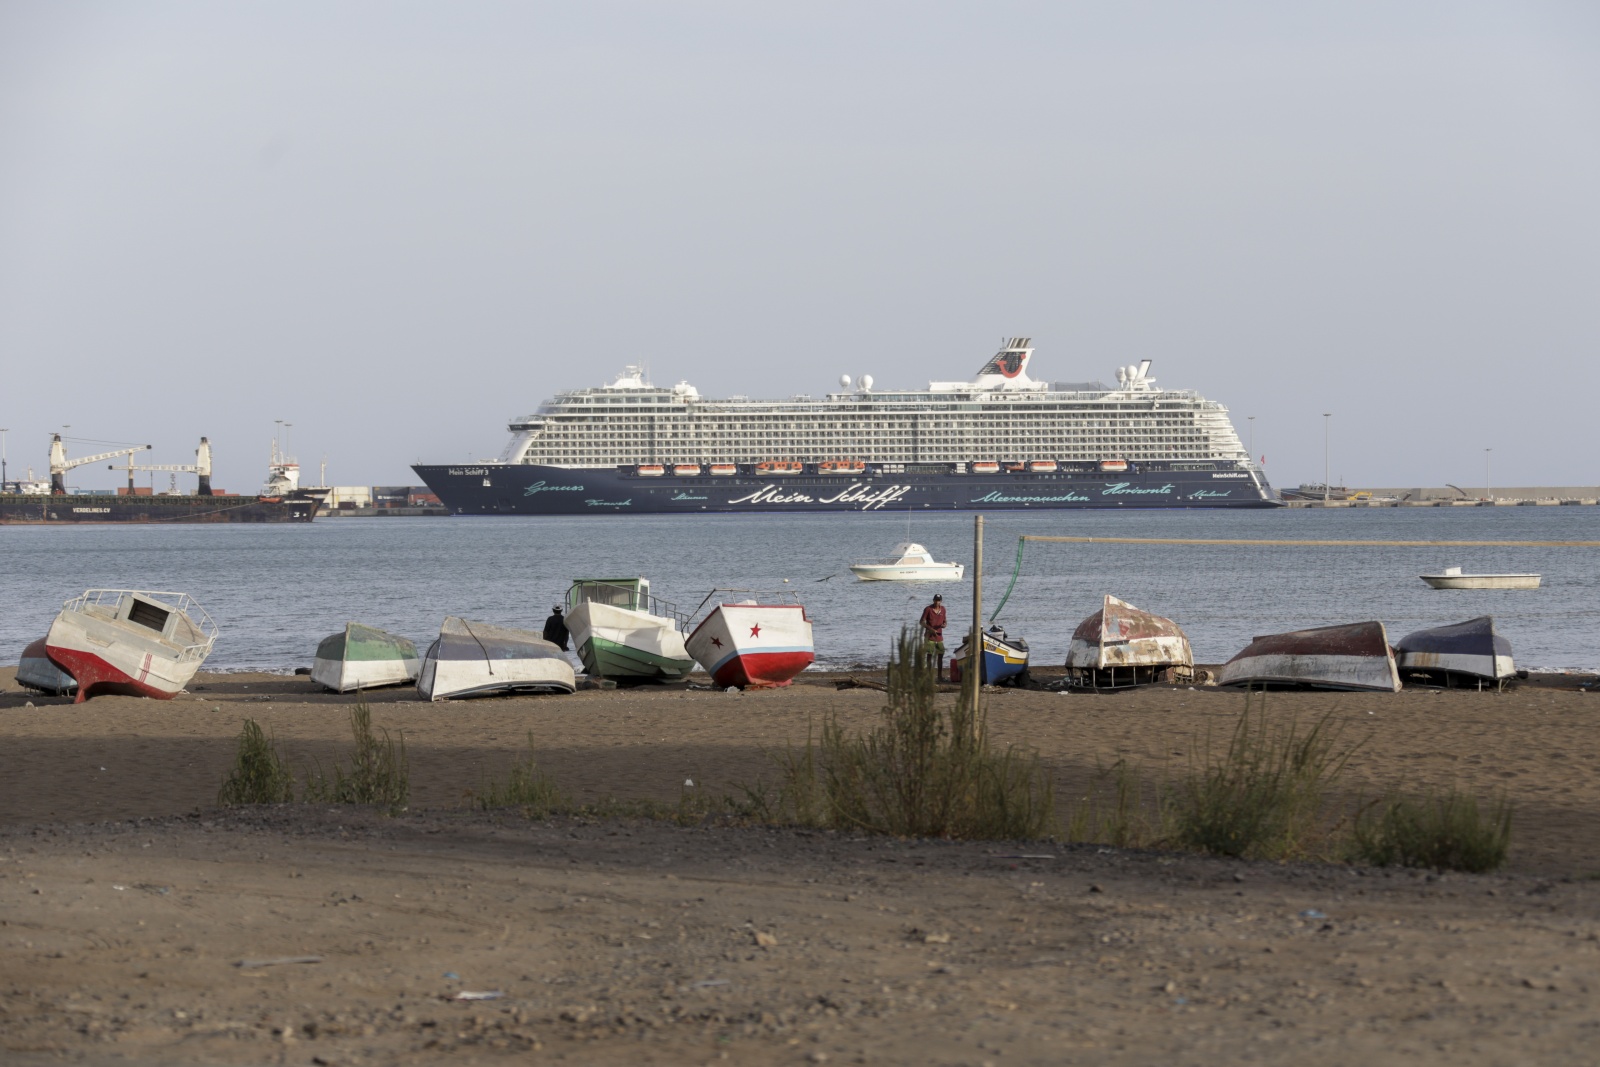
<point>1252,419</point>
<point>1486,494</point>
<point>1326,416</point>
<point>3,432</point>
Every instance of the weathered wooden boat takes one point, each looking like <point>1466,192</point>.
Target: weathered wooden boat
<point>36,672</point>
<point>480,658</point>
<point>1452,578</point>
<point>130,641</point>
<point>1464,653</point>
<point>623,633</point>
<point>364,657</point>
<point>1005,659</point>
<point>909,562</point>
<point>748,644</point>
<point>1119,645</point>
<point>1354,656</point>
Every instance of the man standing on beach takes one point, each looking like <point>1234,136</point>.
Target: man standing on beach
<point>933,623</point>
<point>555,629</point>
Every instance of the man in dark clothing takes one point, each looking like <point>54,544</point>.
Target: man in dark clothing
<point>933,623</point>
<point>555,629</point>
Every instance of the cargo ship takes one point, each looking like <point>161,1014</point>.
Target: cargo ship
<point>48,504</point>
<point>999,442</point>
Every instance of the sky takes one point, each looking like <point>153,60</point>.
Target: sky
<point>394,226</point>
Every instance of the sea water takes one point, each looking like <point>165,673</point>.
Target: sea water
<point>276,590</point>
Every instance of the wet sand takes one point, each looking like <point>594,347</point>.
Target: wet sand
<point>127,898</point>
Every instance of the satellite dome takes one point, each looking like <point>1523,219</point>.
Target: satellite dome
<point>844,381</point>
<point>866,381</point>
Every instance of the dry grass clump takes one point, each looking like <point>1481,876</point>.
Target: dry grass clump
<point>925,771</point>
<point>526,787</point>
<point>259,774</point>
<point>1446,831</point>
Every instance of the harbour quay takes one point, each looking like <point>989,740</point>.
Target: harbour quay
<point>1453,496</point>
<point>380,501</point>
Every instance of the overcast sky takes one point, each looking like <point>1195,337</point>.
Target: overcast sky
<point>396,225</point>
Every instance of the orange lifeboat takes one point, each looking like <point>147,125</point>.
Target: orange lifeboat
<point>1042,466</point>
<point>684,470</point>
<point>779,466</point>
<point>650,470</point>
<point>842,466</point>
<point>1113,466</point>
<point>985,466</point>
<point>724,470</point>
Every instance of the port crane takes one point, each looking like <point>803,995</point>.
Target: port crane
<point>60,464</point>
<point>200,466</point>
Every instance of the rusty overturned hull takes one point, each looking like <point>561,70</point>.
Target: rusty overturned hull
<point>1355,656</point>
<point>1119,644</point>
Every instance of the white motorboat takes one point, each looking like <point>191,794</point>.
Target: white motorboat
<point>748,644</point>
<point>909,563</point>
<point>1452,578</point>
<point>477,658</point>
<point>364,657</point>
<point>623,633</point>
<point>131,641</point>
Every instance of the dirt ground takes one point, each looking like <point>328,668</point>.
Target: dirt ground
<point>128,901</point>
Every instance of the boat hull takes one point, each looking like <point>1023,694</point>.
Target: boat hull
<point>481,659</point>
<point>28,509</point>
<point>1352,657</point>
<point>873,572</point>
<point>1481,581</point>
<point>1120,635</point>
<point>1003,660</point>
<point>1471,650</point>
<point>753,645</point>
<point>36,672</point>
<point>535,489</point>
<point>626,645</point>
<point>364,657</point>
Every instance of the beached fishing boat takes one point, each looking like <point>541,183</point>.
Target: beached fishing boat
<point>623,633</point>
<point>1452,578</point>
<point>1353,656</point>
<point>748,644</point>
<point>1469,653</point>
<point>909,562</point>
<point>480,658</point>
<point>1119,645</point>
<point>1005,659</point>
<point>130,641</point>
<point>364,657</point>
<point>36,672</point>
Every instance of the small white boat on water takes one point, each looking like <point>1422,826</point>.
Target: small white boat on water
<point>364,657</point>
<point>36,672</point>
<point>910,562</point>
<point>130,641</point>
<point>479,658</point>
<point>1452,578</point>
<point>623,633</point>
<point>751,645</point>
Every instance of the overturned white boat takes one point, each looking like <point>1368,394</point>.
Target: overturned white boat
<point>1470,653</point>
<point>130,641</point>
<point>623,633</point>
<point>478,658</point>
<point>1119,645</point>
<point>364,657</point>
<point>1354,656</point>
<point>36,672</point>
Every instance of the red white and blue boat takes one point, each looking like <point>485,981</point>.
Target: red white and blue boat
<point>131,642</point>
<point>751,645</point>
<point>1005,659</point>
<point>1468,652</point>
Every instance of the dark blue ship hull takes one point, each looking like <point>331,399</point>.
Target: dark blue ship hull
<point>528,489</point>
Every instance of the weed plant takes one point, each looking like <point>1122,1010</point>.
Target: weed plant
<point>379,773</point>
<point>526,787</point>
<point>1446,831</point>
<point>1131,819</point>
<point>259,774</point>
<point>924,771</point>
<point>1263,797</point>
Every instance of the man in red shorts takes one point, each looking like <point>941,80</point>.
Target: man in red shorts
<point>933,623</point>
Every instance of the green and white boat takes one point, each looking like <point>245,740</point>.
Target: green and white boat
<point>625,634</point>
<point>364,657</point>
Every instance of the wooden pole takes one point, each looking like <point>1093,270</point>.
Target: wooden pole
<point>975,644</point>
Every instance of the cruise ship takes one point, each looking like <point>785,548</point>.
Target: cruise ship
<point>1000,442</point>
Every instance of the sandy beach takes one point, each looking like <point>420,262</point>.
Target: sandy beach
<point>128,899</point>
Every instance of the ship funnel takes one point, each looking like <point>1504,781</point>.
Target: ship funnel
<point>58,466</point>
<point>202,466</point>
<point>1144,368</point>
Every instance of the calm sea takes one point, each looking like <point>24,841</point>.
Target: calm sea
<point>276,590</point>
